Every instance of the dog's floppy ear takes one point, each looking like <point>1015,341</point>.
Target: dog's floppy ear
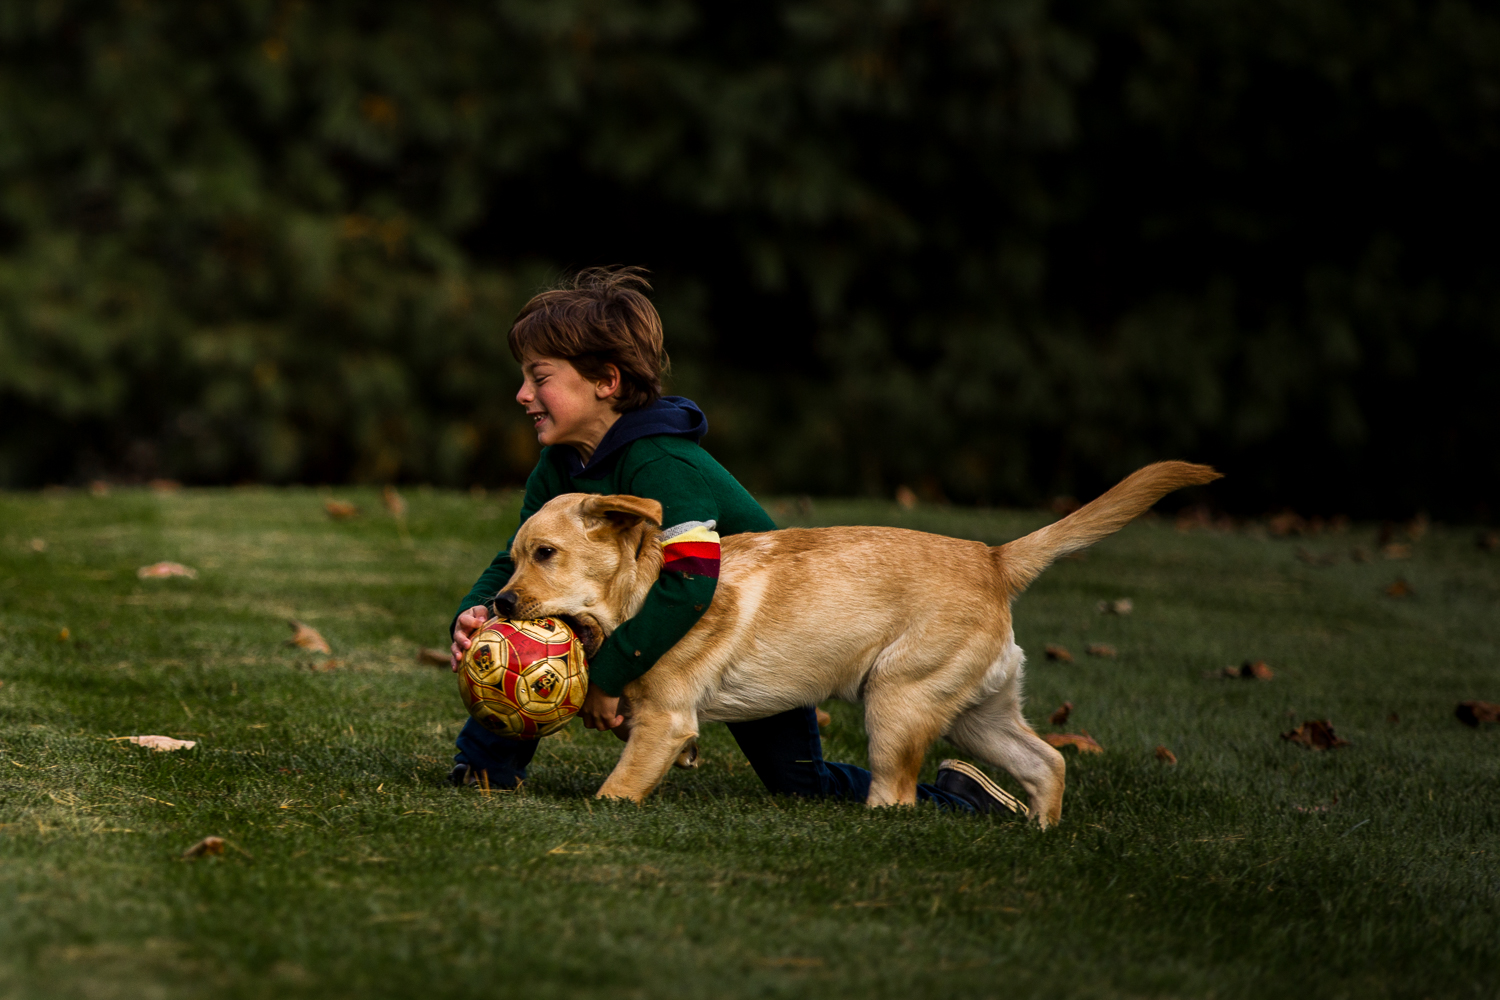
<point>622,512</point>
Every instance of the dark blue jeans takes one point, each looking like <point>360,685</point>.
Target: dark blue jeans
<point>785,750</point>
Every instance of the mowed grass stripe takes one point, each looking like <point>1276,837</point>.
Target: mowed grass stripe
<point>1251,866</point>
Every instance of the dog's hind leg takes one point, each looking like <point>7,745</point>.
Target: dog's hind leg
<point>901,726</point>
<point>657,737</point>
<point>995,732</point>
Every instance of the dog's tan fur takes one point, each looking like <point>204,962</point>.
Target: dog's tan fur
<point>915,626</point>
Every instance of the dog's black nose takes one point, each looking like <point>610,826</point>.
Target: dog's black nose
<point>505,604</point>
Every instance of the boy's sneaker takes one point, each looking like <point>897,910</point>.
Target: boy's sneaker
<point>464,776</point>
<point>967,782</point>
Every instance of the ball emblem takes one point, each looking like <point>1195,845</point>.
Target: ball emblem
<point>524,679</point>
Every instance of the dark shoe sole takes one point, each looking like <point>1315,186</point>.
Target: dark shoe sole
<point>997,795</point>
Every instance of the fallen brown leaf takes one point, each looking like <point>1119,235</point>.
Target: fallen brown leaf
<point>1472,713</point>
<point>1123,606</point>
<point>1359,555</point>
<point>1399,589</point>
<point>1287,523</point>
<point>394,502</point>
<point>99,488</point>
<point>1258,671</point>
<point>1317,559</point>
<point>38,544</point>
<point>435,657</point>
<point>1196,516</point>
<point>1058,653</point>
<point>1060,717</point>
<point>205,847</point>
<point>1396,550</point>
<point>824,718</point>
<point>162,570</point>
<point>307,637</point>
<point>340,510</point>
<point>905,497</point>
<point>1101,649</point>
<point>1393,718</point>
<point>1165,756</point>
<point>1315,734</point>
<point>164,486</point>
<point>1082,741</point>
<point>161,742</point>
<point>1489,541</point>
<point>1417,527</point>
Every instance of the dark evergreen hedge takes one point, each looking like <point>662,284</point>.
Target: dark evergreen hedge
<point>991,250</point>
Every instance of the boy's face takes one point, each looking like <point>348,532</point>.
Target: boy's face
<point>565,407</point>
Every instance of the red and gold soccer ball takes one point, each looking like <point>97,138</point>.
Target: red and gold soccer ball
<point>524,679</point>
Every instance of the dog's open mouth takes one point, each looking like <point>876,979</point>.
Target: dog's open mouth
<point>588,631</point>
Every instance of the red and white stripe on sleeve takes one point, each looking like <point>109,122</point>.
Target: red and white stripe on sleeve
<point>691,548</point>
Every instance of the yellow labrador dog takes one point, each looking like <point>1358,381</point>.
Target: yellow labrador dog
<point>915,626</point>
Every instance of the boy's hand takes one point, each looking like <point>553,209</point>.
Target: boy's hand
<point>600,711</point>
<point>462,629</point>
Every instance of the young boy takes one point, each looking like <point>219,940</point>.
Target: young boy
<point>591,362</point>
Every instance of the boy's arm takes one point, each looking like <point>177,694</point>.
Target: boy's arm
<point>689,576</point>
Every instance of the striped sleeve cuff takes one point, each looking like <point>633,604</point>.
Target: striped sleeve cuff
<point>691,548</point>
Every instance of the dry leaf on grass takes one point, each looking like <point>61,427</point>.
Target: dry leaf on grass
<point>1316,559</point>
<point>1400,588</point>
<point>1058,653</point>
<point>1393,718</point>
<point>340,510</point>
<point>1101,649</point>
<point>38,544</point>
<point>394,502</point>
<point>1123,606</point>
<point>1256,671</point>
<point>164,486</point>
<point>162,570</point>
<point>1315,734</point>
<point>205,847</point>
<point>1165,756</point>
<point>1359,555</point>
<point>307,637</point>
<point>823,718</point>
<point>905,497</point>
<point>1082,741</point>
<point>434,657</point>
<point>161,742</point>
<point>1472,713</point>
<point>1396,550</point>
<point>1489,541</point>
<point>1060,717</point>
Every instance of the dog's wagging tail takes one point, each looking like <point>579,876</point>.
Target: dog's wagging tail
<point>1024,559</point>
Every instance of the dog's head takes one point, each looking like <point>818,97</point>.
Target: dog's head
<point>589,560</point>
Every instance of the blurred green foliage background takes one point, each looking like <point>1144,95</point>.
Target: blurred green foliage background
<point>991,250</point>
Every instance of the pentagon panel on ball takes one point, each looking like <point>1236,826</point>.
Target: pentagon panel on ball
<point>524,679</point>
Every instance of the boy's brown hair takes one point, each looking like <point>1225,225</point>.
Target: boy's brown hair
<point>602,319</point>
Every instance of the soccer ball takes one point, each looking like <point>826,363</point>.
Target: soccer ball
<point>523,679</point>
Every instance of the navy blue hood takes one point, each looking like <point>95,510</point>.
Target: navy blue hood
<point>668,415</point>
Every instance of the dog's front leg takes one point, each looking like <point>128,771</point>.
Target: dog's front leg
<point>657,736</point>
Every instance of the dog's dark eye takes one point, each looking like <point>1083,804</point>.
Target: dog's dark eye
<point>545,552</point>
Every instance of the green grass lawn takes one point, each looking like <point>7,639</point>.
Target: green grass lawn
<point>1252,868</point>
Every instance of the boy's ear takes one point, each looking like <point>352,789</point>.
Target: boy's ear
<point>621,512</point>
